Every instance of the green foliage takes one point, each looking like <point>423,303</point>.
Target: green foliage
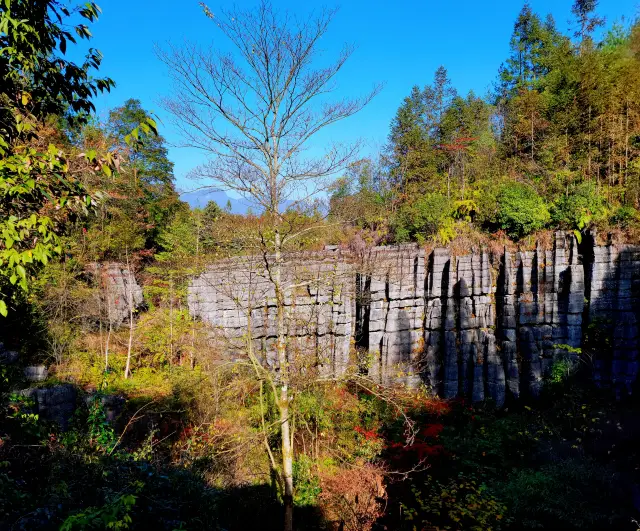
<point>542,127</point>
<point>183,237</point>
<point>101,436</point>
<point>565,364</point>
<point>163,333</point>
<point>37,78</point>
<point>569,494</point>
<point>428,216</point>
<point>521,210</point>
<point>561,369</point>
<point>580,208</point>
<point>460,503</point>
<point>28,423</point>
<point>307,483</point>
<point>624,217</point>
<point>113,515</point>
<point>38,191</point>
<point>132,127</point>
<point>35,198</point>
<point>360,196</point>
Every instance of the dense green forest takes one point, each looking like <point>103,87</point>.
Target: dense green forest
<point>196,442</point>
<point>555,145</point>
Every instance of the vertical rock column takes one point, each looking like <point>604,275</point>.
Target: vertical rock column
<point>481,374</point>
<point>396,313</point>
<point>540,312</point>
<point>614,310</point>
<point>439,281</point>
<point>508,326</point>
<point>460,357</point>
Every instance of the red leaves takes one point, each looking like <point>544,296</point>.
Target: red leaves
<point>432,430</point>
<point>422,447</point>
<point>367,434</point>
<point>458,144</point>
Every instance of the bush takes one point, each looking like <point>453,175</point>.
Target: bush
<point>521,210</point>
<point>571,494</point>
<point>580,208</point>
<point>460,503</point>
<point>429,215</point>
<point>624,216</point>
<point>353,499</point>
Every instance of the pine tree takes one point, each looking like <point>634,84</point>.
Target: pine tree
<point>152,171</point>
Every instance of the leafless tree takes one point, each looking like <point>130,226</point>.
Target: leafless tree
<point>253,111</point>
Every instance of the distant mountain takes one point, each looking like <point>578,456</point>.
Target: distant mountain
<point>199,199</point>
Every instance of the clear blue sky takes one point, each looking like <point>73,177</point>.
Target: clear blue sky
<point>400,43</point>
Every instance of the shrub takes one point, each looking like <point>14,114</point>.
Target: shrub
<point>460,503</point>
<point>580,208</point>
<point>306,482</point>
<point>624,216</point>
<point>570,494</point>
<point>353,499</point>
<point>429,215</point>
<point>521,210</point>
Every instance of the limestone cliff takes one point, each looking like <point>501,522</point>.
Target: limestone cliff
<point>477,325</point>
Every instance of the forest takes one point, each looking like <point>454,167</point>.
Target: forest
<point>118,411</point>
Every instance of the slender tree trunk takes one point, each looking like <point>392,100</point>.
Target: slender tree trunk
<point>532,139</point>
<point>589,148</point>
<point>106,345</point>
<point>106,348</point>
<point>171,320</point>
<point>102,344</point>
<point>283,403</point>
<point>192,357</point>
<point>127,368</point>
<point>626,142</point>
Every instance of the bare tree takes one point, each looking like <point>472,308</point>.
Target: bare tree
<point>253,112</point>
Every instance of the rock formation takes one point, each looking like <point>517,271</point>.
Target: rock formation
<point>479,325</point>
<point>118,286</point>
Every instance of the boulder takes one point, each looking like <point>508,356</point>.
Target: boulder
<point>36,373</point>
<point>55,404</point>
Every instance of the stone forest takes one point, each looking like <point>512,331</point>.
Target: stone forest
<point>475,326</point>
<point>284,267</point>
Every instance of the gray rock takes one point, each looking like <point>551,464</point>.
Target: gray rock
<point>439,313</point>
<point>55,404</point>
<point>8,357</point>
<point>36,373</point>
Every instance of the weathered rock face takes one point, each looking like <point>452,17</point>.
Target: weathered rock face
<point>8,357</point>
<point>118,286</point>
<point>56,404</point>
<point>479,325</point>
<point>613,287</point>
<point>236,296</point>
<point>35,373</point>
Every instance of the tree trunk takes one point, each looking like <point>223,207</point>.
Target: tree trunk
<point>127,368</point>
<point>106,345</point>
<point>589,149</point>
<point>532,138</point>
<point>626,142</point>
<point>283,403</point>
<point>171,320</point>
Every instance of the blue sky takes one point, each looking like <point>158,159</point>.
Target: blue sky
<point>399,43</point>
